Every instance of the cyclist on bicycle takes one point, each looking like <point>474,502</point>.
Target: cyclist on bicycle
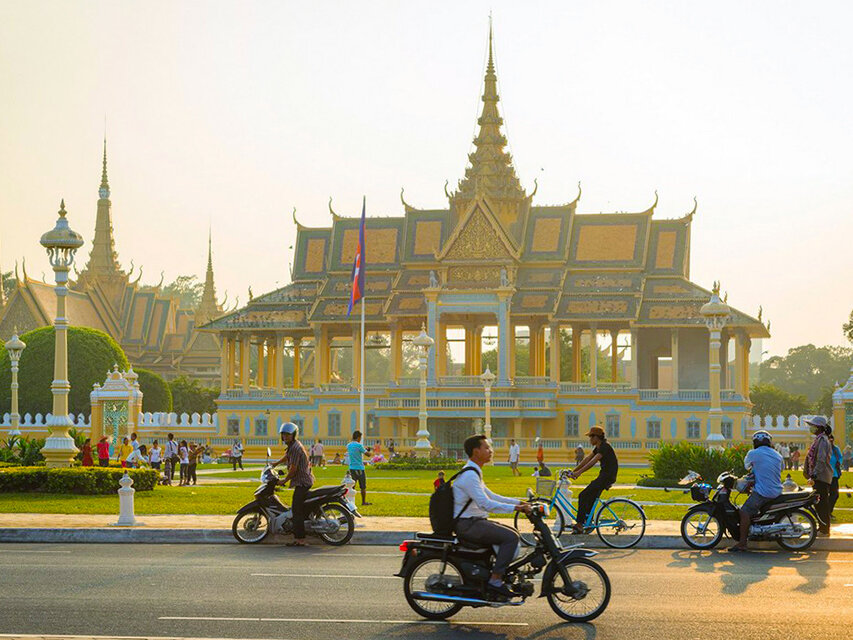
<point>603,454</point>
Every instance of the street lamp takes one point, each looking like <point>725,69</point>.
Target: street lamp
<point>61,244</point>
<point>424,343</point>
<point>488,379</point>
<point>716,314</point>
<point>15,347</point>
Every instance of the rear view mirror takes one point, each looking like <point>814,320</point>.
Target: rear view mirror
<point>269,452</point>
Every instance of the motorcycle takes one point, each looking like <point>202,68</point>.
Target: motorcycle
<point>327,513</point>
<point>789,520</point>
<point>442,574</point>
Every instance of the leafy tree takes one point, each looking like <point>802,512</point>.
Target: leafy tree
<point>807,369</point>
<point>156,395</point>
<point>190,396</point>
<point>9,284</point>
<point>848,328</point>
<point>824,404</point>
<point>91,355</point>
<point>188,289</point>
<point>770,400</point>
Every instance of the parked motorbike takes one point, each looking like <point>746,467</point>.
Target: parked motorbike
<point>442,574</point>
<point>789,520</point>
<point>327,513</point>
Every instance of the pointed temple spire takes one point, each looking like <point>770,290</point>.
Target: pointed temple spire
<point>490,172</point>
<point>207,309</point>
<point>103,260</point>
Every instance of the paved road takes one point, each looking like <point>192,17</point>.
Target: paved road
<point>217,591</point>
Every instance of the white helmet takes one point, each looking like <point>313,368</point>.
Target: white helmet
<point>288,427</point>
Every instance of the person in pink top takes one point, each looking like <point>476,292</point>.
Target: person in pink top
<point>103,448</point>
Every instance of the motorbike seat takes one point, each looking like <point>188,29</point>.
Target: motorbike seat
<point>794,496</point>
<point>322,492</point>
<point>463,545</point>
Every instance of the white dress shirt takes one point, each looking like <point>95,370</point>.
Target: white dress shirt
<point>470,486</point>
<point>514,452</point>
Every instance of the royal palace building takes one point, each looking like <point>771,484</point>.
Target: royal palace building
<point>584,318</point>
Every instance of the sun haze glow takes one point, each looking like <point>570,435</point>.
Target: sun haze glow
<point>231,114</point>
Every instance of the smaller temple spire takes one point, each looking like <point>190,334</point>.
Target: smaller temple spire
<point>104,191</point>
<point>208,308</point>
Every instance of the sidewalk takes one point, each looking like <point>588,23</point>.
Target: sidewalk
<point>170,529</point>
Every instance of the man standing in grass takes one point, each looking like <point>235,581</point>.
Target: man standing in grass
<point>514,455</point>
<point>355,458</point>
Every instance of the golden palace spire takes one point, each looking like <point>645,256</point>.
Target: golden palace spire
<point>103,259</point>
<point>490,172</point>
<point>208,309</point>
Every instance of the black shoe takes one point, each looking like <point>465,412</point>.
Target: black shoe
<point>501,590</point>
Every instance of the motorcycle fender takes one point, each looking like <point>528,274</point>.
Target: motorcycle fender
<point>413,554</point>
<point>254,504</point>
<point>553,566</point>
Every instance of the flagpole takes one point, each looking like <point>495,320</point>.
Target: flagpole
<point>361,376</point>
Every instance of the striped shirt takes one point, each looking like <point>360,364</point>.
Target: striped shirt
<point>297,457</point>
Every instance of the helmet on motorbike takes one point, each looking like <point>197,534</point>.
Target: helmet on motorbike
<point>288,427</point>
<point>762,439</point>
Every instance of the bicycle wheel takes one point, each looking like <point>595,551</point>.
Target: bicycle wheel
<point>620,523</point>
<point>525,528</point>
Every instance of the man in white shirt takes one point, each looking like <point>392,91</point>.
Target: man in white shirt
<point>319,454</point>
<point>472,503</point>
<point>514,455</point>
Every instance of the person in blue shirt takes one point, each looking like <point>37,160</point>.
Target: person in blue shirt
<point>766,464</point>
<point>355,458</point>
<point>835,462</point>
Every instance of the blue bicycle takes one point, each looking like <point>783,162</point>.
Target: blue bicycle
<point>619,522</point>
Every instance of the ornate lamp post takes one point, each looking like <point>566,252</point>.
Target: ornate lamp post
<point>15,347</point>
<point>424,343</point>
<point>716,314</point>
<point>61,243</point>
<point>488,379</point>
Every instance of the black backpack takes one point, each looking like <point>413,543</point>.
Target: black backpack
<point>441,506</point>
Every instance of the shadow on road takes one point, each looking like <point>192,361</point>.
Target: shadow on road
<point>559,631</point>
<point>738,572</point>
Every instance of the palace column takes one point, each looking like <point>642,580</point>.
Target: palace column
<point>469,350</point>
<point>512,351</point>
<point>716,314</point>
<point>441,348</point>
<point>223,365</point>
<point>725,382</point>
<point>319,356</point>
<point>747,344</point>
<point>259,371</point>
<point>614,355</point>
<point>297,363</point>
<point>531,349</point>
<point>593,356</point>
<point>356,356</point>
<point>432,329</point>
<point>396,352</point>
<point>540,350</point>
<point>555,352</point>
<point>739,359</point>
<point>674,355</point>
<point>231,360</point>
<point>503,337</point>
<point>576,353</point>
<point>272,363</point>
<point>635,360</point>
<point>244,363</point>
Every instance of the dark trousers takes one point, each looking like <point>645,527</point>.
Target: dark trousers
<point>823,507</point>
<point>191,472</point>
<point>298,506</point>
<point>587,498</point>
<point>486,532</point>
<point>103,462</point>
<point>184,468</point>
<point>235,460</point>
<point>833,495</point>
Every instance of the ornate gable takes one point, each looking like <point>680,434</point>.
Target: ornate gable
<point>479,238</point>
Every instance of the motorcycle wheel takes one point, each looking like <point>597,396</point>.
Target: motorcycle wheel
<point>592,579</point>
<point>345,521</point>
<point>804,519</point>
<point>251,527</point>
<point>416,581</point>
<point>701,530</point>
<point>525,527</point>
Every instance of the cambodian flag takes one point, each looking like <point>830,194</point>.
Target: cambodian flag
<point>358,264</point>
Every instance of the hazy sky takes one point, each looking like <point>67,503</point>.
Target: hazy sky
<point>231,114</point>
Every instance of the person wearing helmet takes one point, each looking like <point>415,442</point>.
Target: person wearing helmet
<point>300,477</point>
<point>818,469</point>
<point>765,463</point>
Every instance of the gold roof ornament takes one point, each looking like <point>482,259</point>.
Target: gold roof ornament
<point>715,308</point>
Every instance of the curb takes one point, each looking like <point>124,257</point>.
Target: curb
<point>389,538</point>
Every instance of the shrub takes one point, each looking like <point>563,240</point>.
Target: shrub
<point>91,354</point>
<point>671,462</point>
<point>80,480</point>
<point>156,395</point>
<point>190,396</point>
<point>426,464</point>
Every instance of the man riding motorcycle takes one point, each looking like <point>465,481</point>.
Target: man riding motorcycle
<point>472,503</point>
<point>765,463</point>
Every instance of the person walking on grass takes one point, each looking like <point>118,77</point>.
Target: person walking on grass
<point>795,458</point>
<point>123,452</point>
<point>134,441</point>
<point>103,448</point>
<point>194,453</point>
<point>170,455</point>
<point>540,451</point>
<point>86,450</point>
<point>514,456</point>
<point>184,455</point>
<point>355,457</point>
<point>237,454</point>
<point>155,456</point>
<point>319,454</point>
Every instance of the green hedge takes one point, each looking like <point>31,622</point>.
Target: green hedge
<point>426,464</point>
<point>672,462</point>
<point>91,354</point>
<point>156,395</point>
<point>82,480</point>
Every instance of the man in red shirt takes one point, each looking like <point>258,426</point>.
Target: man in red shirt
<point>103,452</point>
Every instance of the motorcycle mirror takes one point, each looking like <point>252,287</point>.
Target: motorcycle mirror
<point>269,452</point>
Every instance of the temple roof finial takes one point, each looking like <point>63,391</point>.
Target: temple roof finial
<point>104,190</point>
<point>490,67</point>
